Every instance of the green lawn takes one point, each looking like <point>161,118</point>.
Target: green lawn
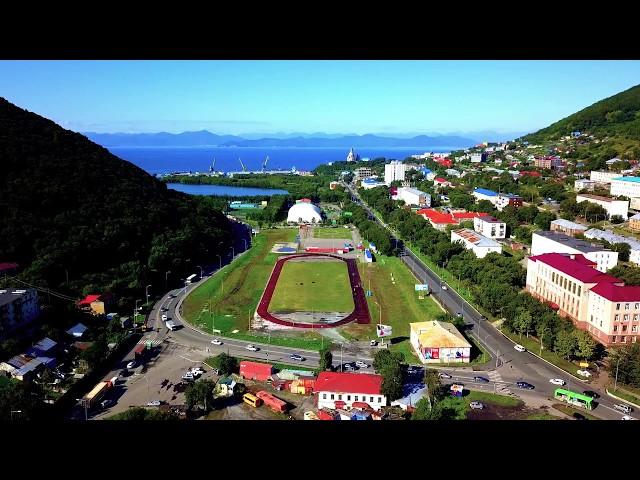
<point>542,416</point>
<point>338,232</point>
<point>622,392</point>
<point>492,398</point>
<point>319,286</point>
<point>393,290</point>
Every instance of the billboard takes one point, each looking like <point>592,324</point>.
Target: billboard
<point>456,390</point>
<point>432,353</point>
<point>383,330</point>
<point>422,287</point>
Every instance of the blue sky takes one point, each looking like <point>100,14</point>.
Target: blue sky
<point>360,97</point>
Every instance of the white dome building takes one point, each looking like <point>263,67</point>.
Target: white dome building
<point>303,212</point>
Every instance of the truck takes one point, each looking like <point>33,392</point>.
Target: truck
<point>95,395</point>
<point>171,325</point>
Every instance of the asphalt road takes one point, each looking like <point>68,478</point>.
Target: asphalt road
<point>509,365</point>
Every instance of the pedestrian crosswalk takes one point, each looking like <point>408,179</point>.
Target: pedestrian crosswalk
<point>154,343</point>
<point>500,385</point>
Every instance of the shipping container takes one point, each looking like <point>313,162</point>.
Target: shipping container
<point>271,401</point>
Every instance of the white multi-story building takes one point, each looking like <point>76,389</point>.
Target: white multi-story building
<point>362,173</point>
<point>626,186</point>
<point>490,227</point>
<point>556,242</point>
<point>394,171</point>
<point>17,309</point>
<point>411,196</point>
<point>584,184</point>
<point>340,390</point>
<point>613,207</point>
<point>603,177</point>
<point>480,245</point>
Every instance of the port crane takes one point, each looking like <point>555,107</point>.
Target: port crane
<point>264,164</point>
<point>244,169</point>
<point>213,166</point>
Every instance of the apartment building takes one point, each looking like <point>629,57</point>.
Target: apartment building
<point>556,242</point>
<point>394,171</point>
<point>490,227</point>
<point>612,206</point>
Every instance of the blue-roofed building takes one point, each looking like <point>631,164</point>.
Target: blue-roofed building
<point>485,194</point>
<point>77,330</point>
<point>45,347</point>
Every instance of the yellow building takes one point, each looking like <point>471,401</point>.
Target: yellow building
<point>439,342</point>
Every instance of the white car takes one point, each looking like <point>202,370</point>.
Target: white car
<point>216,341</point>
<point>520,348</point>
<point>154,403</point>
<point>252,348</point>
<point>584,373</point>
<point>164,317</point>
<point>627,417</point>
<point>131,364</point>
<point>361,364</point>
<point>197,370</point>
<point>444,287</point>
<point>557,381</point>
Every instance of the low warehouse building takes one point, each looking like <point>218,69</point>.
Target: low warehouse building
<point>256,371</point>
<point>439,342</point>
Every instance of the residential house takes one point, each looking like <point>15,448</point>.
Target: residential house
<point>612,206</point>
<point>18,308</point>
<point>490,227</point>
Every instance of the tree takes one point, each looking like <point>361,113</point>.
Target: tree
<point>623,249</point>
<point>389,365</point>
<point>326,359</point>
<point>565,344</point>
<point>630,274</point>
<point>225,363</point>
<point>200,393</point>
<point>433,384</point>
<point>586,345</point>
<point>617,219</point>
<point>544,219</point>
<point>485,206</point>
<point>523,322</point>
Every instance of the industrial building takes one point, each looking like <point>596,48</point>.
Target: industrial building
<point>567,227</point>
<point>480,245</point>
<point>555,242</point>
<point>340,390</point>
<point>612,206</point>
<point>439,342</point>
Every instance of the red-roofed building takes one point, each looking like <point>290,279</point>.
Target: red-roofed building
<point>347,389</point>
<point>305,200</point>
<point>97,304</point>
<point>442,182</point>
<point>256,371</point>
<point>440,220</point>
<point>530,174</point>
<point>596,302</point>
<point>8,267</point>
<point>445,162</point>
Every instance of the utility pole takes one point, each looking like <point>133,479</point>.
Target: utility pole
<point>166,275</point>
<point>341,359</point>
<point>220,260</point>
<point>615,385</point>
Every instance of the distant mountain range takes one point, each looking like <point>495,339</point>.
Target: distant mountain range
<point>206,138</point>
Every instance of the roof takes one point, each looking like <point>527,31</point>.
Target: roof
<point>582,246</point>
<point>436,216</point>
<point>439,334</point>
<point>531,174</point>
<point>306,211</point>
<point>440,180</point>
<point>488,219</point>
<point>413,191</point>
<point>617,293</point>
<point>45,345</point>
<point>598,198</point>
<point>484,191</point>
<point>579,267</point>
<point>349,382</point>
<point>89,299</point>
<point>612,237</point>
<point>466,215</point>
<point>568,224</point>
<point>77,330</point>
<point>265,368</point>
<point>475,238</point>
<point>10,295</point>
<point>8,266</point>
<point>635,217</point>
<point>628,179</point>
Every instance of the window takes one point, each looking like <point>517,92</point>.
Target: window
<point>625,317</point>
<point>615,328</point>
<point>332,396</point>
<point>617,306</point>
<point>371,399</point>
<point>340,397</point>
<point>579,288</point>
<point>613,339</point>
<point>624,328</point>
<point>633,339</point>
<point>324,396</point>
<point>637,306</point>
<point>349,397</point>
<point>634,328</point>
<point>617,317</point>
<point>635,317</point>
<point>356,398</point>
<point>623,339</point>
<point>626,306</point>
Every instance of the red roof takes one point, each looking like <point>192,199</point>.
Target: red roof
<point>306,200</point>
<point>440,180</point>
<point>531,174</point>
<point>349,382</point>
<point>436,216</point>
<point>363,405</point>
<point>89,299</point>
<point>617,293</point>
<point>254,368</point>
<point>465,215</point>
<point>579,268</point>
<point>8,266</point>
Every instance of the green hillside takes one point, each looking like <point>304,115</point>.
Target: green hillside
<point>71,208</point>
<point>616,116</point>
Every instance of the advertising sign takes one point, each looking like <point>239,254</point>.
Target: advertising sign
<point>432,353</point>
<point>422,287</point>
<point>456,390</point>
<point>383,330</point>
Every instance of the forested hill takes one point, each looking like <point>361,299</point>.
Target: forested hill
<point>616,116</point>
<point>71,207</point>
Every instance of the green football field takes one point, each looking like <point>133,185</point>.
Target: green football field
<point>319,286</point>
<point>339,232</point>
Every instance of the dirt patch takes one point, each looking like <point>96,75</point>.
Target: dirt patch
<point>498,412</point>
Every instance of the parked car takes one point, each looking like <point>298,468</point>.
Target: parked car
<point>197,370</point>
<point>525,385</point>
<point>444,375</point>
<point>361,364</point>
<point>481,379</point>
<point>444,287</point>
<point>154,403</point>
<point>591,393</point>
<point>476,405</point>
<point>252,348</point>
<point>188,377</point>
<point>520,348</point>
<point>373,343</point>
<point>584,373</point>
<point>106,403</point>
<point>164,309</point>
<point>164,318</point>
<point>348,367</point>
<point>216,341</point>
<point>627,417</point>
<point>131,364</point>
<point>623,408</point>
<point>459,314</point>
<point>557,381</point>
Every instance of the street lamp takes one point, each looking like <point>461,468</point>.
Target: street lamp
<point>147,293</point>
<point>200,270</point>
<point>233,252</point>
<point>220,260</point>
<point>615,385</point>
<point>245,243</point>
<point>166,275</point>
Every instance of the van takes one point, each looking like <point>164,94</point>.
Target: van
<point>622,407</point>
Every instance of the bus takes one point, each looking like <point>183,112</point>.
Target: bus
<point>190,279</point>
<point>573,398</point>
<point>252,400</point>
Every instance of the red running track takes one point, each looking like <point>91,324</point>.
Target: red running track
<point>359,314</point>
